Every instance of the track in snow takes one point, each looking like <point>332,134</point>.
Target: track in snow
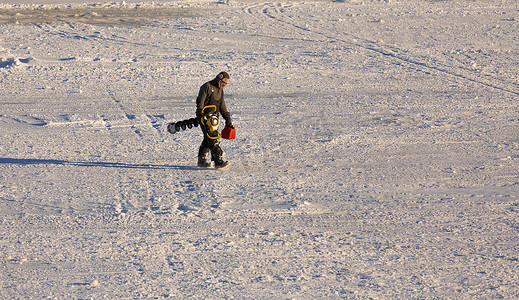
<point>309,30</point>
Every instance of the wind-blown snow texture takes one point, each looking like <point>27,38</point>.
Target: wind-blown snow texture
<point>377,151</point>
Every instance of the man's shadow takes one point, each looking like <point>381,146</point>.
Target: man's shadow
<point>31,161</point>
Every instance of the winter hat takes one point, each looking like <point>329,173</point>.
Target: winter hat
<point>223,76</point>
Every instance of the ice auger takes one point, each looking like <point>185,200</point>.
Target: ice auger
<point>185,124</point>
<point>209,120</point>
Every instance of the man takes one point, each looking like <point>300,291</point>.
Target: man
<point>211,93</point>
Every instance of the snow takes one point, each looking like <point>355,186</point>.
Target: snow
<point>376,152</point>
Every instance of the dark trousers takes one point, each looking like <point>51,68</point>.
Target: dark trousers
<point>209,147</point>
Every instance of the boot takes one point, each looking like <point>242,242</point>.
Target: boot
<point>221,164</point>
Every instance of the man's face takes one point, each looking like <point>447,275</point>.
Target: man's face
<point>222,84</point>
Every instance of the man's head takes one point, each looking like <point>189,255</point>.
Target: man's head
<point>223,79</point>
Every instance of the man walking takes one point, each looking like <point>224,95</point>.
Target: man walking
<point>210,100</point>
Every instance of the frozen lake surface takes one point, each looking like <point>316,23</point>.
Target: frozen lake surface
<point>377,150</point>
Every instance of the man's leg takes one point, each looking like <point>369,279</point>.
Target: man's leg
<point>204,160</point>
<point>216,152</point>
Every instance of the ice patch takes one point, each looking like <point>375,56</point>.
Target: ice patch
<point>114,15</point>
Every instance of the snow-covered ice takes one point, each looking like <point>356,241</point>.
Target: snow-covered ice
<point>377,150</point>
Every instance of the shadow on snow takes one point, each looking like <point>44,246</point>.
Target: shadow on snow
<point>30,161</point>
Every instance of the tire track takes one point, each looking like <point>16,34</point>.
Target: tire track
<point>394,54</point>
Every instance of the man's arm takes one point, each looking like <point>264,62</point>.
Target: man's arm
<point>225,114</point>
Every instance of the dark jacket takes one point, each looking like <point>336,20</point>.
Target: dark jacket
<point>210,94</point>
